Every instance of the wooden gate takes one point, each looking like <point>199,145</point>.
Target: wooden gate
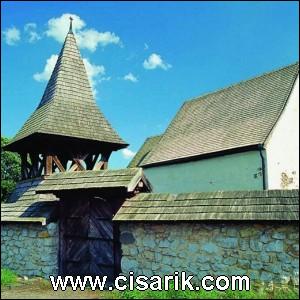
<point>88,239</point>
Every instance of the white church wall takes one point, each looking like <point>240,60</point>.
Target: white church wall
<point>282,146</point>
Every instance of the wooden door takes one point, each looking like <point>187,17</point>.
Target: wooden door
<point>88,240</point>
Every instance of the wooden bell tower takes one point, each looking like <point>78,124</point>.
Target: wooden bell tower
<point>67,132</point>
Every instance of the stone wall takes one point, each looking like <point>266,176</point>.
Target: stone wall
<point>266,252</point>
<point>30,249</point>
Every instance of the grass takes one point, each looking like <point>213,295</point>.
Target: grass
<point>282,294</point>
<point>8,277</point>
<point>255,293</point>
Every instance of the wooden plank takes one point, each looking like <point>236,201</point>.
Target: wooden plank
<point>87,239</point>
<point>104,158</point>
<point>79,164</point>
<point>34,164</point>
<point>98,166</point>
<point>91,160</point>
<point>49,162</point>
<point>58,163</point>
<point>24,219</point>
<point>24,166</point>
<point>73,168</point>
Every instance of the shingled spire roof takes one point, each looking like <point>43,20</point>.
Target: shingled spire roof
<point>67,108</point>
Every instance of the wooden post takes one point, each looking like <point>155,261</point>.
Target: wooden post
<point>58,163</point>
<point>48,165</point>
<point>24,170</point>
<point>91,160</point>
<point>34,164</point>
<point>104,159</point>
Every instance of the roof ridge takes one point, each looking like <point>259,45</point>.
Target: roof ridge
<point>153,136</point>
<point>196,98</point>
<point>225,119</point>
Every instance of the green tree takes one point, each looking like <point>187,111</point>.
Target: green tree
<point>10,170</point>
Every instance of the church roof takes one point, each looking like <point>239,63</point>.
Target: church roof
<point>240,116</point>
<point>67,108</point>
<point>144,151</point>
<point>280,205</point>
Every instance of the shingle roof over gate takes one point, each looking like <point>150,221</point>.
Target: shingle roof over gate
<point>270,205</point>
<point>123,178</point>
<point>241,115</point>
<point>67,107</point>
<point>25,205</point>
<point>34,201</point>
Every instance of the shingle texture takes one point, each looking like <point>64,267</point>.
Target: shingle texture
<point>123,178</point>
<point>144,151</point>
<point>25,204</point>
<point>32,200</point>
<point>239,205</point>
<point>67,107</point>
<point>238,116</point>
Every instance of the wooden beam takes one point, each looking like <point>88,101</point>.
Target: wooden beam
<point>90,161</point>
<point>104,158</point>
<point>64,160</point>
<point>79,164</point>
<point>105,165</point>
<point>48,165</point>
<point>34,169</point>
<point>58,163</point>
<point>98,166</point>
<point>73,168</point>
<point>24,169</point>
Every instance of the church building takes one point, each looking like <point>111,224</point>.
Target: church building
<point>215,194</point>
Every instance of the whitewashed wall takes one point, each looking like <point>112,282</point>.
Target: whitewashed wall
<point>282,147</point>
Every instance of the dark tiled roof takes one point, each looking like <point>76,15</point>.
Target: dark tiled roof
<point>144,151</point>
<point>67,107</point>
<point>269,205</point>
<point>25,205</point>
<point>123,178</point>
<point>241,115</point>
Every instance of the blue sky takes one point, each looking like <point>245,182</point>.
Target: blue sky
<point>144,58</point>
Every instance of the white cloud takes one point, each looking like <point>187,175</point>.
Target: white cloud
<point>90,39</point>
<point>146,46</point>
<point>46,73</point>
<point>93,72</point>
<point>103,78</point>
<point>30,29</point>
<point>130,77</point>
<point>58,27</point>
<point>12,36</point>
<point>128,153</point>
<point>155,61</point>
<point>86,38</point>
<point>30,26</point>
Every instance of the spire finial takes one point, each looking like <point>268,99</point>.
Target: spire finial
<point>71,20</point>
